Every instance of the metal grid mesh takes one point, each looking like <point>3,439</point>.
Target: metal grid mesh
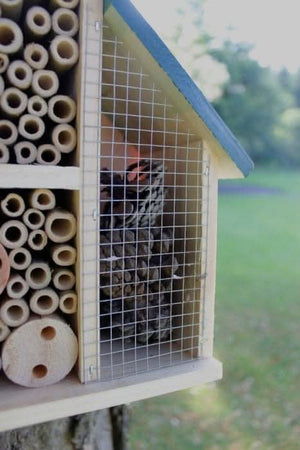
<point>153,223</point>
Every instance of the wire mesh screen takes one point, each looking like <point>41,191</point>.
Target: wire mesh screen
<point>153,209</point>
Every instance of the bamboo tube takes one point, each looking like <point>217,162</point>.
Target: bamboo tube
<point>60,225</point>
<point>31,127</point>
<point>45,83</point>
<point>19,74</point>
<point>61,109</point>
<point>42,199</point>
<point>16,286</point>
<point>13,205</point>
<point>37,106</point>
<point>33,218</point>
<point>63,255</point>
<point>20,258</point>
<point>25,152</point>
<point>48,154</point>
<point>65,22</point>
<point>14,312</point>
<point>70,4</point>
<point>36,56</point>
<point>13,234</point>
<point>37,22</point>
<point>63,279</point>
<point>11,36</point>
<point>37,240</point>
<point>2,85</point>
<point>52,352</point>
<point>11,8</point>
<point>64,137</point>
<point>38,275</point>
<point>4,331</point>
<point>64,53</point>
<point>4,268</point>
<point>68,302</point>
<point>44,302</point>
<point>4,154</point>
<point>4,61</point>
<point>8,132</point>
<point>13,102</point>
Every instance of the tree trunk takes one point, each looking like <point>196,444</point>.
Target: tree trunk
<point>100,430</point>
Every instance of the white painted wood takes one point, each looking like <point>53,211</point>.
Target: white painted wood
<point>21,407</point>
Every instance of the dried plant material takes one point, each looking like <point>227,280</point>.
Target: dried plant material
<point>25,152</point>
<point>14,312</point>
<point>63,255</point>
<point>44,302</point>
<point>20,258</point>
<point>16,286</point>
<point>8,132</point>
<point>13,234</point>
<point>37,240</point>
<point>37,106</point>
<point>71,4</point>
<point>61,109</point>
<point>64,138</point>
<point>63,279</point>
<point>4,331</point>
<point>13,102</point>
<point>37,22</point>
<point>64,53</point>
<point>48,155</point>
<point>60,225</point>
<point>36,56</point>
<point>12,205</point>
<point>19,74</point>
<point>45,83</point>
<point>4,154</point>
<point>4,268</point>
<point>42,199</point>
<point>38,275</point>
<point>31,127</point>
<point>65,22</point>
<point>34,218</point>
<point>11,36</point>
<point>11,8</point>
<point>68,302</point>
<point>4,61</point>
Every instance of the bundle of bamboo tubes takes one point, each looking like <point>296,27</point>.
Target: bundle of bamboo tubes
<point>38,54</point>
<point>37,271</point>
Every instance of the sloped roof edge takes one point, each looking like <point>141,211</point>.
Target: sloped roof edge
<point>183,82</point>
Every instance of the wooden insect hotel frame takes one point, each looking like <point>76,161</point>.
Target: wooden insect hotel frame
<point>109,164</point>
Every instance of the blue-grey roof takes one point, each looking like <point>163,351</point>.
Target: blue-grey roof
<point>182,81</point>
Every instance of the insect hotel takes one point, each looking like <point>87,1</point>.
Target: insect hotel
<point>110,159</point>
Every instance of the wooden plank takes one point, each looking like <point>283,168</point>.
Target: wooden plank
<point>89,137</point>
<point>22,407</point>
<point>31,176</point>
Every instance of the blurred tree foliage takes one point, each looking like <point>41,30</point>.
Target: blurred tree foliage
<point>262,107</point>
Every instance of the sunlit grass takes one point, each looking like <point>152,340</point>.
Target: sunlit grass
<point>257,404</point>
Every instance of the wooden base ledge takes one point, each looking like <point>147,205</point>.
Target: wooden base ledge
<point>30,176</point>
<point>23,407</point>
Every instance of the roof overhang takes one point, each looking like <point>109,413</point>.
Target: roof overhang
<point>129,25</point>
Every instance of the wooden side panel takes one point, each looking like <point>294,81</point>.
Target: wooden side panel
<point>89,82</point>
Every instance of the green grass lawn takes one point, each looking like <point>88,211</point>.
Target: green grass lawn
<point>257,404</point>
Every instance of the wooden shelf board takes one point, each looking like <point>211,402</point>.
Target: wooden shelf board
<point>22,406</point>
<point>31,176</point>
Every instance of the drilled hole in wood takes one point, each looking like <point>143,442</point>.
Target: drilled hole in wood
<point>48,333</point>
<point>39,371</point>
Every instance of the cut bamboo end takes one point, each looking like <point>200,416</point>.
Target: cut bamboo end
<point>49,359</point>
<point>70,4</point>
<point>48,155</point>
<point>65,22</point>
<point>13,205</point>
<point>19,74</point>
<point>63,279</point>
<point>38,275</point>
<point>8,132</point>
<point>20,258</point>
<point>4,331</point>
<point>31,127</point>
<point>2,85</point>
<point>64,53</point>
<point>13,102</point>
<point>45,83</point>
<point>11,8</point>
<point>33,218</point>
<point>36,56</point>
<point>42,199</point>
<point>37,240</point>
<point>4,154</point>
<point>68,302</point>
<point>25,152</point>
<point>13,234</point>
<point>4,62</point>
<point>37,106</point>
<point>38,22</point>
<point>14,312</point>
<point>16,286</point>
<point>11,36</point>
<point>61,109</point>
<point>63,255</point>
<point>60,226</point>
<point>44,302</point>
<point>4,268</point>
<point>64,138</point>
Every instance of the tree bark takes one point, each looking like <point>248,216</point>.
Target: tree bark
<point>100,430</point>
